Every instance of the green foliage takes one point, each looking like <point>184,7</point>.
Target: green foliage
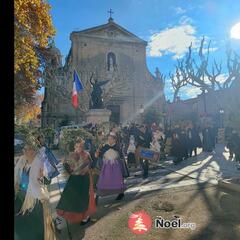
<point>48,134</point>
<point>104,127</point>
<point>69,136</point>
<point>28,134</point>
<point>152,116</point>
<point>24,129</point>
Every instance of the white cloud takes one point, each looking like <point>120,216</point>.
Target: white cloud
<point>175,40</point>
<point>222,77</point>
<point>190,91</point>
<point>185,20</point>
<point>153,31</point>
<point>168,85</point>
<point>213,49</point>
<point>179,10</point>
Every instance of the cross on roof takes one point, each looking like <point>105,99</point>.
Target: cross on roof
<point>110,12</point>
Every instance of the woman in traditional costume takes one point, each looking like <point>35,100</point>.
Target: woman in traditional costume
<point>113,171</point>
<point>131,152</point>
<point>155,144</point>
<point>77,201</point>
<point>32,212</point>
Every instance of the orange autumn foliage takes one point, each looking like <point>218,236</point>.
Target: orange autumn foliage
<point>33,29</point>
<point>28,112</point>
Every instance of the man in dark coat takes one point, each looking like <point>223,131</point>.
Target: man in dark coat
<point>194,140</point>
<point>208,139</point>
<point>143,139</point>
<point>235,145</point>
<point>133,130</point>
<point>183,138</point>
<point>177,149</point>
<point>229,136</point>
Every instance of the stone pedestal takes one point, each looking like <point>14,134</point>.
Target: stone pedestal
<point>98,116</point>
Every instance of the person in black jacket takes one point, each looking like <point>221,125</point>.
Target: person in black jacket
<point>194,140</point>
<point>235,146</point>
<point>183,138</point>
<point>143,139</point>
<point>208,139</point>
<point>230,142</point>
<point>133,130</point>
<point>177,149</point>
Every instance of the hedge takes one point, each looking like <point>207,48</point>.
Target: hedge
<point>69,136</point>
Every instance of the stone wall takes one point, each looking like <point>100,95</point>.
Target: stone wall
<point>227,99</point>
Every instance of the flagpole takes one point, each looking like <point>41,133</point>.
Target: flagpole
<point>76,109</point>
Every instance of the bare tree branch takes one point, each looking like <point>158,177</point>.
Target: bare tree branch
<point>233,65</point>
<point>178,80</point>
<point>197,73</point>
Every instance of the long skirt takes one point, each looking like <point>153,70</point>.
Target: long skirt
<point>30,225</point>
<point>111,179</point>
<point>77,200</point>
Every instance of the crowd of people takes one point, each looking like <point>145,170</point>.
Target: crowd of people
<point>99,170</point>
<point>177,143</point>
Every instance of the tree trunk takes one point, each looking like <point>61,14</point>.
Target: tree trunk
<point>175,95</point>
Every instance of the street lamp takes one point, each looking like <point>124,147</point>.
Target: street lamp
<point>141,111</point>
<point>221,112</point>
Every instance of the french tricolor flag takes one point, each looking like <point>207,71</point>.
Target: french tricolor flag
<point>77,87</point>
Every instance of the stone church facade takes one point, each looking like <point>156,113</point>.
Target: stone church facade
<point>106,52</point>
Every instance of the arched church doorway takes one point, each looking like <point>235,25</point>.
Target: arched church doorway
<point>115,113</point>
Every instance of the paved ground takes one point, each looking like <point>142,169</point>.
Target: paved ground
<point>205,168</point>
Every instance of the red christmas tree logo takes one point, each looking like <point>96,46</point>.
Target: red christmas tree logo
<point>140,222</point>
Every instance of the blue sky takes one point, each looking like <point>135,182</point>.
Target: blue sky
<point>168,25</point>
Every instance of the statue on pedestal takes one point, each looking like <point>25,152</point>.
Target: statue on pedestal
<point>111,68</point>
<point>96,101</point>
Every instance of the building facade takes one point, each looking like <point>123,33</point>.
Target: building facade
<point>220,107</point>
<point>106,52</point>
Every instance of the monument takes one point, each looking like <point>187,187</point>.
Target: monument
<point>97,113</point>
<point>96,95</point>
